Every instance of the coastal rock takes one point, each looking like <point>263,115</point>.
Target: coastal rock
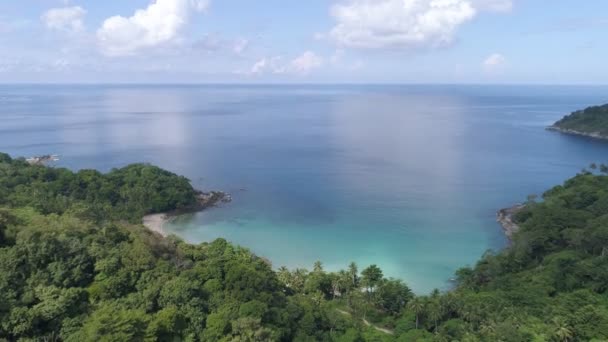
<point>595,135</point>
<point>42,160</point>
<point>212,198</point>
<point>506,219</point>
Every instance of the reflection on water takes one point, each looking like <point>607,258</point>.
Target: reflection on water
<point>408,177</point>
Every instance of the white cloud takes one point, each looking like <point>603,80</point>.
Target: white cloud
<point>305,63</point>
<point>65,18</point>
<point>495,62</point>
<point>374,24</point>
<point>240,45</point>
<point>398,23</point>
<point>266,65</point>
<point>301,65</point>
<point>155,25</point>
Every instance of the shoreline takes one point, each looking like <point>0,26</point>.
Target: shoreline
<point>594,135</point>
<point>505,218</point>
<point>156,222</point>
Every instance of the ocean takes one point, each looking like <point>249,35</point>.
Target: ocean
<point>408,177</point>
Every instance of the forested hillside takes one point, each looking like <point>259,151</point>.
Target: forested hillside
<point>75,265</point>
<point>591,121</point>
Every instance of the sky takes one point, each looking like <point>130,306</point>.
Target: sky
<point>307,41</point>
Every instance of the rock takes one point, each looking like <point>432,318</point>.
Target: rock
<point>42,160</point>
<point>506,219</point>
<point>595,135</point>
<point>210,199</point>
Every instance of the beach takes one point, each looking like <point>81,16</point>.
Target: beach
<point>155,223</point>
<point>204,200</point>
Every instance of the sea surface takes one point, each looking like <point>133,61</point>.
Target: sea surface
<point>405,177</point>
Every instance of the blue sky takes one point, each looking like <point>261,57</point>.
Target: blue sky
<point>312,41</point>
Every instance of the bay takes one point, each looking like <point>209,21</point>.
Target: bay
<point>408,177</point>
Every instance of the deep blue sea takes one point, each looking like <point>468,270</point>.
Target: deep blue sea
<point>406,177</point>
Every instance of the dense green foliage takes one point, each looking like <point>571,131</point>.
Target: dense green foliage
<point>67,274</point>
<point>593,120</point>
<point>127,193</point>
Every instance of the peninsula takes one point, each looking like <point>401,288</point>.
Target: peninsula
<point>591,122</point>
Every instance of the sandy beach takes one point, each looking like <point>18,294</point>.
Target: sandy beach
<point>156,222</point>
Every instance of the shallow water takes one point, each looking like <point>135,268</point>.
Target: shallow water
<point>406,177</point>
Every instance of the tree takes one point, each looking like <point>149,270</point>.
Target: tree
<point>393,295</point>
<point>418,307</point>
<point>371,276</point>
<point>435,312</point>
<point>114,323</point>
<point>353,271</point>
<point>248,329</point>
<point>284,276</point>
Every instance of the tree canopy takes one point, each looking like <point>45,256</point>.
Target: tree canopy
<point>74,266</point>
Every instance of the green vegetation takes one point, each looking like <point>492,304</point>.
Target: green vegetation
<point>75,267</point>
<point>591,121</point>
<point>123,194</point>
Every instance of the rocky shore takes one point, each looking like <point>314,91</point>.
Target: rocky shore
<point>506,219</point>
<point>204,200</point>
<point>595,135</point>
<point>42,160</point>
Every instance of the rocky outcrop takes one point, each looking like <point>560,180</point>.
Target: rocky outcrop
<point>42,160</point>
<point>506,219</point>
<point>212,198</point>
<point>595,135</point>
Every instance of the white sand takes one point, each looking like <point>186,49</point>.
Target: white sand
<point>156,222</point>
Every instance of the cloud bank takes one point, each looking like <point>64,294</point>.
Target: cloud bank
<point>380,24</point>
<point>65,18</point>
<point>301,65</point>
<point>159,23</point>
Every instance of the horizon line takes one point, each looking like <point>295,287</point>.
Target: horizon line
<point>297,84</point>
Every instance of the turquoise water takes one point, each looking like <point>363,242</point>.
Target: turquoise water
<point>406,177</point>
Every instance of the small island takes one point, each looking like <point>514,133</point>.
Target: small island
<point>591,122</point>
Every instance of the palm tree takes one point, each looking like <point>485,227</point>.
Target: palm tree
<point>353,271</point>
<point>563,332</point>
<point>298,278</point>
<point>371,277</point>
<point>284,276</point>
<point>435,311</point>
<point>417,305</point>
<point>337,284</point>
<point>488,327</point>
<point>449,303</point>
<point>317,267</point>
<point>435,294</point>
